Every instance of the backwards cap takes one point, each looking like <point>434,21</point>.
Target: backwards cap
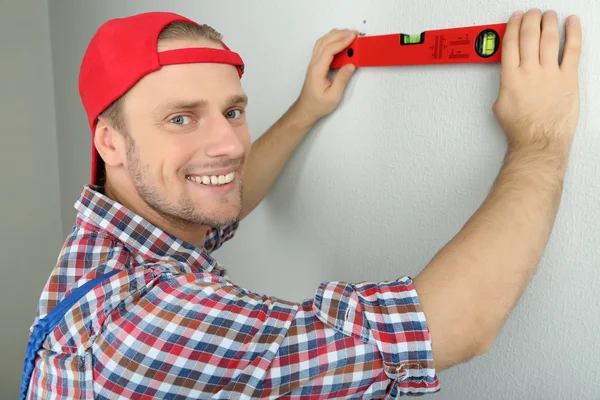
<point>123,51</point>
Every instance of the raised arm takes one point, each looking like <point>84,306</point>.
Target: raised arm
<point>318,98</point>
<point>471,286</point>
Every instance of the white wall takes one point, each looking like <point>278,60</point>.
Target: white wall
<point>381,185</point>
<point>30,221</point>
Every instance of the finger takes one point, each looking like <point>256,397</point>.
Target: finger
<point>323,40</point>
<point>319,42</point>
<point>334,47</point>
<point>323,61</point>
<point>550,40</point>
<point>510,43</point>
<point>342,77</point>
<point>331,32</point>
<point>335,37</point>
<point>530,38</point>
<point>572,51</point>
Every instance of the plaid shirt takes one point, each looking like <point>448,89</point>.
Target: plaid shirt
<point>170,324</point>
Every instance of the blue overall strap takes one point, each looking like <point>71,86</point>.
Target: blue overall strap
<point>46,325</point>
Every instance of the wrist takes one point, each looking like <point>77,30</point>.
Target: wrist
<point>535,167</point>
<point>300,115</point>
<point>543,154</point>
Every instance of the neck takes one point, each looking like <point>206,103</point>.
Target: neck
<point>191,233</point>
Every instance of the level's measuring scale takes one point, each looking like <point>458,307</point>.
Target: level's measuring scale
<point>474,44</point>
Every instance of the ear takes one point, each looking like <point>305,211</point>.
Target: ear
<point>110,144</point>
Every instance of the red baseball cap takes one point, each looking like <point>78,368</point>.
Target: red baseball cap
<point>123,51</point>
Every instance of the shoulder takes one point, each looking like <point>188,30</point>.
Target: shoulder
<point>86,253</point>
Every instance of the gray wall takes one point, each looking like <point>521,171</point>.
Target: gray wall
<point>30,222</point>
<point>378,187</point>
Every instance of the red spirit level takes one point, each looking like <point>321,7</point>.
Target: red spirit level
<point>474,44</point>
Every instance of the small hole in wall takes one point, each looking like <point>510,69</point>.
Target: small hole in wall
<point>364,21</point>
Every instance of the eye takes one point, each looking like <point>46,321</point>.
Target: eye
<point>181,120</point>
<point>232,113</point>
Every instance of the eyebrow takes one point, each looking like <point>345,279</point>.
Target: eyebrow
<point>175,105</point>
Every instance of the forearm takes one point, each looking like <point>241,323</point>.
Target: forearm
<point>471,286</point>
<point>270,153</point>
<point>319,97</point>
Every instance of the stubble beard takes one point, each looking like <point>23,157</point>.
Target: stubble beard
<point>184,213</point>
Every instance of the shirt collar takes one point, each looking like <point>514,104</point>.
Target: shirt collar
<point>138,234</point>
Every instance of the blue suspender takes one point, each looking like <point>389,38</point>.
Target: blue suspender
<point>46,325</point>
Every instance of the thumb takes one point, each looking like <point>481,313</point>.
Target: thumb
<point>341,79</point>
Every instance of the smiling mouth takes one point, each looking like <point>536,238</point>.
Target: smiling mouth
<point>212,180</point>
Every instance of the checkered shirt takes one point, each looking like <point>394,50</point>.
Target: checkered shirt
<point>171,324</point>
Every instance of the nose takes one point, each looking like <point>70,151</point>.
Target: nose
<point>224,140</point>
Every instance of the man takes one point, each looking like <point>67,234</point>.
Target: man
<point>136,306</point>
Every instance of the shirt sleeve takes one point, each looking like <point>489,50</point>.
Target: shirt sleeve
<point>387,315</point>
<point>217,236</point>
<point>201,336</point>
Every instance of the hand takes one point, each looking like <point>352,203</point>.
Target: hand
<point>538,102</point>
<point>320,96</point>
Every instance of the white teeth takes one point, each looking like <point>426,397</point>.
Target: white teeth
<point>214,179</point>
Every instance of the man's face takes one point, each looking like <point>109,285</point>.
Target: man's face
<point>189,140</point>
